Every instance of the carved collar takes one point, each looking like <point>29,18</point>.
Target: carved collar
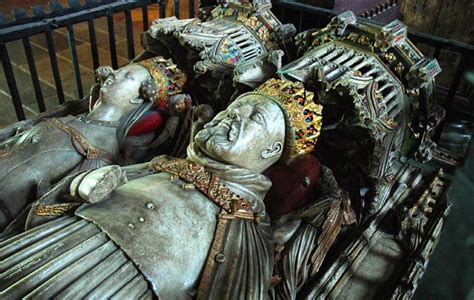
<point>111,124</point>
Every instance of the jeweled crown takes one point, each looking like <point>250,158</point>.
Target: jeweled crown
<point>303,116</point>
<point>167,76</point>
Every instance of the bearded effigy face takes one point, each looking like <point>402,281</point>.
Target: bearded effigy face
<point>250,134</point>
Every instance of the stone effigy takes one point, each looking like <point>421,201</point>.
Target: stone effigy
<point>237,48</point>
<point>379,117</point>
<point>211,225</point>
<point>72,144</point>
<point>194,226</point>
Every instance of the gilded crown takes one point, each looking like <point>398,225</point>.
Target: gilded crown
<point>167,76</point>
<point>302,115</point>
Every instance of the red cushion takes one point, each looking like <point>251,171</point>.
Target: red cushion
<point>290,190</point>
<point>149,122</point>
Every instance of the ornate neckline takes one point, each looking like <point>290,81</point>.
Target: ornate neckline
<point>112,124</point>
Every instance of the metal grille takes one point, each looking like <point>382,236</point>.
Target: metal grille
<point>42,22</point>
<point>57,16</point>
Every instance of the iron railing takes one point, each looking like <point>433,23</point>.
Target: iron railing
<point>41,22</point>
<point>304,16</point>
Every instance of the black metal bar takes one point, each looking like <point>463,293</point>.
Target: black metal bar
<point>451,94</point>
<point>162,9</point>
<point>15,32</point>
<point>456,79</point>
<point>129,28</point>
<point>10,76</point>
<point>113,49</point>
<point>34,74</point>
<point>145,17</point>
<point>54,65</point>
<point>90,6</point>
<point>93,40</point>
<point>300,21</point>
<point>75,61</point>
<point>176,8</point>
<point>191,9</point>
<point>283,15</point>
<point>437,52</point>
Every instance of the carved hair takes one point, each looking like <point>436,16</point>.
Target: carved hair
<point>102,72</point>
<point>148,90</point>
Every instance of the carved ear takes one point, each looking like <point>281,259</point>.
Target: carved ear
<point>273,150</point>
<point>148,90</point>
<point>136,100</point>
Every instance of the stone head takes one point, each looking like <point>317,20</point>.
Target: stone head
<point>249,134</point>
<point>125,87</point>
<point>152,80</point>
<point>279,121</point>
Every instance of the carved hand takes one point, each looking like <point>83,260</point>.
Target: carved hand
<point>98,184</point>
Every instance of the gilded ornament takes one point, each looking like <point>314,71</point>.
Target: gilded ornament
<point>54,209</point>
<point>242,16</point>
<point>378,95</point>
<point>89,150</point>
<point>196,176</point>
<point>399,68</point>
<point>364,40</point>
<point>413,92</point>
<point>300,110</point>
<point>167,76</point>
<point>389,57</point>
<point>353,37</point>
<point>228,12</point>
<point>392,123</point>
<point>252,22</point>
<point>263,33</point>
<point>326,38</point>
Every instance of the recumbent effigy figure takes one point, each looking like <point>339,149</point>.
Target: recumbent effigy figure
<point>236,49</point>
<point>174,228</point>
<point>71,144</point>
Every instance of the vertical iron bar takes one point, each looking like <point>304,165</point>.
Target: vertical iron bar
<point>93,40</point>
<point>145,16</point>
<point>113,50</point>
<point>162,9</point>
<point>129,28</point>
<point>300,21</point>
<point>75,60</point>
<point>451,94</point>
<point>437,52</point>
<point>191,8</point>
<point>456,79</point>
<point>10,76</point>
<point>283,15</point>
<point>54,65</point>
<point>176,8</point>
<point>34,74</point>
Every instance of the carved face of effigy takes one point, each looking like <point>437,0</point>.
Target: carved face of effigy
<point>123,85</point>
<point>249,134</point>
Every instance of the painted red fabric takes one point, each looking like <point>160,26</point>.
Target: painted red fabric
<point>293,185</point>
<point>149,122</point>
